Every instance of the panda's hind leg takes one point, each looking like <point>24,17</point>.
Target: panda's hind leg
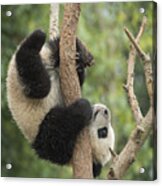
<point>58,132</point>
<point>31,71</point>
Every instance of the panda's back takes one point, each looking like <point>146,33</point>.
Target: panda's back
<point>29,113</point>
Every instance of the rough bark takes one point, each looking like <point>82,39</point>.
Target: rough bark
<point>82,159</point>
<point>69,79</point>
<point>144,123</point>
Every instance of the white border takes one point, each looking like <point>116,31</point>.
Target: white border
<point>42,182</point>
<point>53,1</point>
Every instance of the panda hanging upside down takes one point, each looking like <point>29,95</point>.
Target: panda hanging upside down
<point>37,105</point>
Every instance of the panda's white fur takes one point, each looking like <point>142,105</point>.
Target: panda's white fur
<point>27,112</point>
<point>100,146</point>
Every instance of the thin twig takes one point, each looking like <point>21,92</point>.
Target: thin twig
<point>113,153</point>
<point>142,29</point>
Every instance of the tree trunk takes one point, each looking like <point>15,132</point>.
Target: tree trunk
<point>82,158</point>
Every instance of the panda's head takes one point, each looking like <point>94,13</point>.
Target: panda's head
<point>101,119</point>
<point>101,134</point>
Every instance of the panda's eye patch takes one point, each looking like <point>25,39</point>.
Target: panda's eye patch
<point>102,132</point>
<point>95,114</point>
<point>106,112</point>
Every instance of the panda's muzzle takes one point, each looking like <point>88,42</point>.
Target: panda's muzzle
<point>102,132</point>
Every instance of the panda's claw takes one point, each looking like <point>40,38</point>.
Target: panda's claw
<point>77,56</point>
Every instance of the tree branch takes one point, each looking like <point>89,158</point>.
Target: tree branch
<point>129,152</point>
<point>136,45</point>
<point>54,21</point>
<point>82,158</point>
<point>129,87</point>
<point>147,64</point>
<point>142,29</point>
<point>69,79</point>
<point>144,124</point>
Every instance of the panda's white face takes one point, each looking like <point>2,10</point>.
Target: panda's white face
<point>101,114</point>
<point>101,134</point>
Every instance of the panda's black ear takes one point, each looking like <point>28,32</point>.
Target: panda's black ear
<point>96,169</point>
<point>34,41</point>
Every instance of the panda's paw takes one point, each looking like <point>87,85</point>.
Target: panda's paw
<point>34,41</point>
<point>83,56</point>
<point>84,108</point>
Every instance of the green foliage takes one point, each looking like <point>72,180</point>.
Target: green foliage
<point>101,29</point>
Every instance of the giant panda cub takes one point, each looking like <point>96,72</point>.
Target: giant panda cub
<point>37,106</point>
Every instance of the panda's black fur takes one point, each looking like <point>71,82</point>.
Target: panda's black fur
<point>36,103</point>
<point>59,130</point>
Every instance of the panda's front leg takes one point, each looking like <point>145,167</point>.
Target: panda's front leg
<point>58,132</point>
<point>31,71</point>
<point>83,59</point>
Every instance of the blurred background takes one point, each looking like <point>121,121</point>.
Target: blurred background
<point>101,29</point>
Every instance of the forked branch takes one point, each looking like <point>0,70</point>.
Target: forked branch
<point>144,123</point>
